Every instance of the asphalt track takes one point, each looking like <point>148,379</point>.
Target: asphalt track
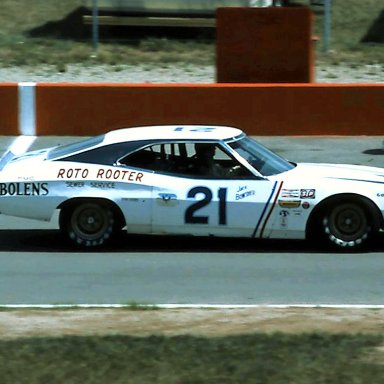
<point>38,267</point>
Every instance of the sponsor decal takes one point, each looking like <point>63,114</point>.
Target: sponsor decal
<point>305,205</point>
<point>290,193</point>
<point>167,199</point>
<point>298,193</point>
<point>24,189</point>
<point>289,203</point>
<point>380,195</point>
<point>307,193</point>
<point>103,185</point>
<point>95,184</point>
<point>242,193</point>
<point>194,129</point>
<point>101,173</point>
<point>283,218</point>
<point>74,184</point>
<point>73,173</point>
<point>26,178</point>
<point>119,174</point>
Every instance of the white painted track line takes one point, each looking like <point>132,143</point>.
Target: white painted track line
<point>191,306</point>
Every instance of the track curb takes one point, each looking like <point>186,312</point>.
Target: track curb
<point>191,306</point>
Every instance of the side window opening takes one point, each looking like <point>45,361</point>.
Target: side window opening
<point>205,160</point>
<point>212,161</point>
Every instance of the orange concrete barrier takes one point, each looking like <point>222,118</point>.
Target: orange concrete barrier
<point>274,109</point>
<point>9,111</point>
<point>283,109</point>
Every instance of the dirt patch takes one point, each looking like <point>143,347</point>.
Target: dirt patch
<point>201,322</point>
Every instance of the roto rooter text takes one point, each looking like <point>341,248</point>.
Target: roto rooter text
<point>106,174</point>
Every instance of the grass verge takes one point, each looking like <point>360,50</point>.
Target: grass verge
<point>255,358</point>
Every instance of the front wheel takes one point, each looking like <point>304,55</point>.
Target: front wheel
<point>88,224</point>
<point>347,225</point>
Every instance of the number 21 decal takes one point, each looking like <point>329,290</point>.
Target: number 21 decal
<point>190,213</point>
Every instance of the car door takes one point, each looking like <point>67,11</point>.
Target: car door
<point>203,196</point>
<point>209,194</point>
<point>217,207</point>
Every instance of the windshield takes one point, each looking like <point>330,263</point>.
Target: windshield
<point>69,149</point>
<point>261,158</point>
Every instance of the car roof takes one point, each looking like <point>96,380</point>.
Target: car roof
<point>172,132</point>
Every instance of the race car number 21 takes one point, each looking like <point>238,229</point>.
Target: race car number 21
<point>191,216</point>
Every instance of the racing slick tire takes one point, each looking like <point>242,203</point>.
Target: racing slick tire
<point>348,225</point>
<point>89,224</point>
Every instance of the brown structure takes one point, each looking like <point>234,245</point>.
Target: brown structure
<point>265,45</point>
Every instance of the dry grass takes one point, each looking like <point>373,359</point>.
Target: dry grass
<point>51,32</point>
<point>253,358</point>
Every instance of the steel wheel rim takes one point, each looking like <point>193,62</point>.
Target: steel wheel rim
<point>348,222</point>
<point>90,221</point>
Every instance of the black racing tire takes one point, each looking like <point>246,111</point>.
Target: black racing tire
<point>88,224</point>
<point>347,225</point>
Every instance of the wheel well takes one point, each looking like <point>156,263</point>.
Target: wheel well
<point>71,203</point>
<point>369,205</point>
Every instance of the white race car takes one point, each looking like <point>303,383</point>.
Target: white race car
<point>191,180</point>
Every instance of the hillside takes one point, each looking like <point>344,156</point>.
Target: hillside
<point>52,32</point>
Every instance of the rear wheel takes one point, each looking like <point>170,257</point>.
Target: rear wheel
<point>347,225</point>
<point>88,224</point>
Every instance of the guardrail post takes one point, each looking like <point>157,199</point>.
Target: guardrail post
<point>95,25</point>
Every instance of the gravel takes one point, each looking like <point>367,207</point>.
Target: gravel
<point>170,74</point>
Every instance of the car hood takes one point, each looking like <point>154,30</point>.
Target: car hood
<point>339,172</point>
